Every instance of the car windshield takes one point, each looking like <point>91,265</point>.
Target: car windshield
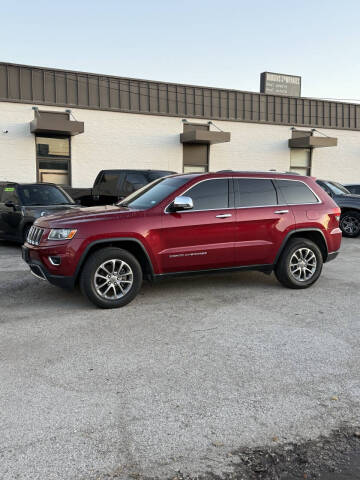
<point>337,188</point>
<point>152,194</point>
<point>42,195</point>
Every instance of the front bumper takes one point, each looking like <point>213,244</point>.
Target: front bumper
<point>332,256</point>
<point>40,271</point>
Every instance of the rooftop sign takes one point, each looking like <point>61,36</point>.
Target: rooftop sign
<point>280,84</point>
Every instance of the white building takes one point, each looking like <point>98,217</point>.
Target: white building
<point>65,126</point>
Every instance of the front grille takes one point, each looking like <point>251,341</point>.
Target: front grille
<point>34,235</point>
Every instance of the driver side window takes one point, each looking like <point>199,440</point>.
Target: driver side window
<point>210,194</point>
<point>9,194</point>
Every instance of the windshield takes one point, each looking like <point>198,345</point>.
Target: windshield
<point>337,188</point>
<point>153,193</point>
<point>42,195</point>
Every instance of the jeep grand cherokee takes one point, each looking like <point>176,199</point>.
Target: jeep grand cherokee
<point>186,224</point>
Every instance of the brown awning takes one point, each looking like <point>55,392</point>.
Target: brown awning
<point>204,137</point>
<point>312,142</point>
<point>58,123</point>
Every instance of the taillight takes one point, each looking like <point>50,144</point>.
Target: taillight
<point>335,214</point>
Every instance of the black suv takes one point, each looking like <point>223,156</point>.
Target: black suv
<point>349,204</point>
<point>111,186</point>
<point>353,188</point>
<point>22,203</point>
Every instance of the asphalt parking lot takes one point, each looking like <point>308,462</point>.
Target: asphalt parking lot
<point>187,373</point>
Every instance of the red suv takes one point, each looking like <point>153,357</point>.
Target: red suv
<point>186,224</point>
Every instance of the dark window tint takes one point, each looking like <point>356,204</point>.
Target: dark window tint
<point>42,195</point>
<point>1,190</point>
<point>295,192</point>
<point>134,181</point>
<point>54,164</point>
<point>210,194</point>
<point>108,184</point>
<point>9,194</point>
<point>254,192</point>
<point>354,189</point>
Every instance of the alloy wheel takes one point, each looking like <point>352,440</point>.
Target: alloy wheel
<point>113,279</point>
<point>350,224</point>
<point>303,264</point>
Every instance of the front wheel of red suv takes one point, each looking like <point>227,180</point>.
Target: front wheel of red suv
<point>300,264</point>
<point>111,277</point>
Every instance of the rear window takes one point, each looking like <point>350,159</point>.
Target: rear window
<point>295,192</point>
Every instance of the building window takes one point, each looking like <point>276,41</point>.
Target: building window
<point>195,156</point>
<point>53,157</point>
<point>300,161</point>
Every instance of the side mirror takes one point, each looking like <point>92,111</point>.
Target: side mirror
<point>182,203</point>
<point>10,204</point>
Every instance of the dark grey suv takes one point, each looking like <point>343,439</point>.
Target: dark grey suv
<point>22,204</point>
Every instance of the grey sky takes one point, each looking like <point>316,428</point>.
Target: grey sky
<point>216,43</point>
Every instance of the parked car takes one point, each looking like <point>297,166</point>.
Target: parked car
<point>186,224</point>
<point>353,188</point>
<point>349,204</point>
<point>22,203</point>
<point>111,186</point>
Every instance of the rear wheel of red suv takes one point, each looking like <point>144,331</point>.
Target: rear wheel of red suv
<point>300,264</point>
<point>111,277</point>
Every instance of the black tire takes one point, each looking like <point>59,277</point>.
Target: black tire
<point>25,232</point>
<point>94,273</point>
<point>350,223</point>
<point>285,268</point>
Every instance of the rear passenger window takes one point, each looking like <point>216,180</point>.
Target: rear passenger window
<point>210,194</point>
<point>108,184</point>
<point>133,182</point>
<point>254,192</point>
<point>295,192</point>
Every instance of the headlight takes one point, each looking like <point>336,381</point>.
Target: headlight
<point>61,234</point>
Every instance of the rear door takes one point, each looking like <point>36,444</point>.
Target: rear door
<point>262,221</point>
<point>307,207</point>
<point>203,237</point>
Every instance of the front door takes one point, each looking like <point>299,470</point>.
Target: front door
<point>203,237</point>
<point>261,221</point>
<point>10,217</point>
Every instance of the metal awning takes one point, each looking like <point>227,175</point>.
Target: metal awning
<point>57,123</point>
<point>312,142</point>
<point>206,137</point>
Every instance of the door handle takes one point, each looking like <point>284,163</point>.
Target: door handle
<point>280,212</point>
<point>224,215</point>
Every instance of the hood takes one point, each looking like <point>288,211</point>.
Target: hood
<point>348,196</point>
<point>84,214</point>
<point>42,210</point>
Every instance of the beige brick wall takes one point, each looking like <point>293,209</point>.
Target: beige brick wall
<point>121,140</point>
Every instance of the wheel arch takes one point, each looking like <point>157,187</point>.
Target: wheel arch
<point>132,245</point>
<point>313,234</point>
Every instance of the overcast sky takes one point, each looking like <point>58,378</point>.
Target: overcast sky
<point>224,43</point>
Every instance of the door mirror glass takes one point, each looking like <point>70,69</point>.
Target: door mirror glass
<point>182,203</point>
